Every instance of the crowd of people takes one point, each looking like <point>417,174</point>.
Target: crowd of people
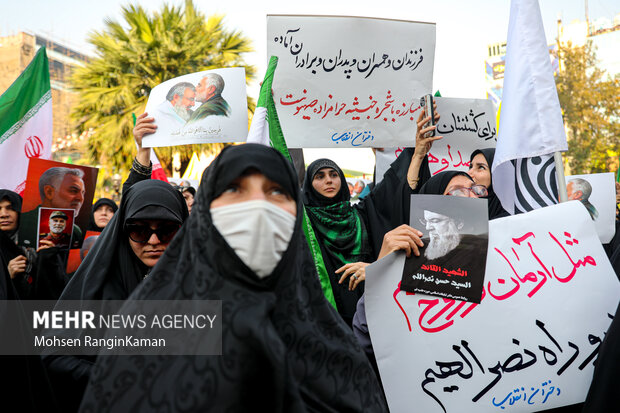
<point>295,336</point>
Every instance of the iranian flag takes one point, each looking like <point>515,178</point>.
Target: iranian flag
<point>158,171</point>
<point>25,123</point>
<point>265,128</point>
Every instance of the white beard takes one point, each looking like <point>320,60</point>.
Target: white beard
<point>440,246</point>
<point>57,229</point>
<point>183,112</point>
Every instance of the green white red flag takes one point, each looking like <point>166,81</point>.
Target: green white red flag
<point>266,130</point>
<point>25,123</point>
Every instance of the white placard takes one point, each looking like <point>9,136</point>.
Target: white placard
<point>466,125</point>
<point>349,81</point>
<point>549,296</point>
<point>205,107</point>
<point>598,195</point>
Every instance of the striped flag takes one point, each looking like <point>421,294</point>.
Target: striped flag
<point>531,129</point>
<point>25,123</point>
<point>266,130</point>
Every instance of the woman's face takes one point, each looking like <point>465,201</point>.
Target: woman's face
<point>327,182</point>
<point>149,238</point>
<point>189,200</point>
<point>8,216</point>
<point>253,187</point>
<point>480,171</point>
<point>103,215</point>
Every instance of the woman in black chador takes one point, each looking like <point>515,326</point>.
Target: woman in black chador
<point>339,228</point>
<point>150,214</point>
<point>284,348</point>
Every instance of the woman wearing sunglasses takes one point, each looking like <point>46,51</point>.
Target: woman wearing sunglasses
<point>284,349</point>
<point>134,240</point>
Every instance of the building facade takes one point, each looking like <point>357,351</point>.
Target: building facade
<point>17,51</point>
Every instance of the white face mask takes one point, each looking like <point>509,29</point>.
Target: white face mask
<point>258,231</point>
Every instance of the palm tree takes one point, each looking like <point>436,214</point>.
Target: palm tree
<point>131,59</point>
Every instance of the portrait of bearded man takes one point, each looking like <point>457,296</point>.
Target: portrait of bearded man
<point>209,93</point>
<point>177,106</point>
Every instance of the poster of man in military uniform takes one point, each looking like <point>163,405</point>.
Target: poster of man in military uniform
<point>56,225</point>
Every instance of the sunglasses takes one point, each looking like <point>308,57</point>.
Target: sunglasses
<point>142,233</point>
<point>479,190</point>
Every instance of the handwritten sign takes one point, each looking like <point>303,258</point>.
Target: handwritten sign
<point>466,125</point>
<point>202,107</point>
<point>597,193</point>
<point>549,295</point>
<point>349,81</point>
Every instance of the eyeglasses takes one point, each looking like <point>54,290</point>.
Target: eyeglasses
<point>141,233</point>
<point>479,190</point>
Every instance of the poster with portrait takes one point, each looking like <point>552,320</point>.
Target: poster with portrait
<point>349,82</point>
<point>549,296</point>
<point>356,187</point>
<point>52,184</point>
<point>465,125</point>
<point>455,236</point>
<point>597,193</point>
<point>202,107</point>
<point>55,227</point>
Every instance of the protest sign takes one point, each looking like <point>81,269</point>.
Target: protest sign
<point>202,107</point>
<point>55,225</point>
<point>54,184</point>
<point>455,235</point>
<point>530,345</point>
<point>349,81</point>
<point>466,125</point>
<point>597,193</point>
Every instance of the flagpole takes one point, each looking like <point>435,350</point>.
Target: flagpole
<point>559,171</point>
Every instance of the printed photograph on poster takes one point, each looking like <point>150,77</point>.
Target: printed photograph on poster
<point>597,193</point>
<point>201,107</point>
<point>52,184</point>
<point>455,235</point>
<point>349,82</point>
<point>357,186</point>
<point>55,226</point>
<point>465,125</point>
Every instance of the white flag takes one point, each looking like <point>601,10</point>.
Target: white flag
<point>531,127</point>
<point>25,123</point>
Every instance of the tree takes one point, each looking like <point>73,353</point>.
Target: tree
<point>590,107</point>
<point>133,57</point>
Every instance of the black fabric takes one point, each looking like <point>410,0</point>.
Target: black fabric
<point>388,204</point>
<point>284,348</point>
<point>45,276</point>
<point>338,247</point>
<point>103,201</point>
<point>133,178</point>
<point>495,206</point>
<point>111,271</point>
<point>24,383</point>
<point>603,394</point>
<point>437,184</point>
